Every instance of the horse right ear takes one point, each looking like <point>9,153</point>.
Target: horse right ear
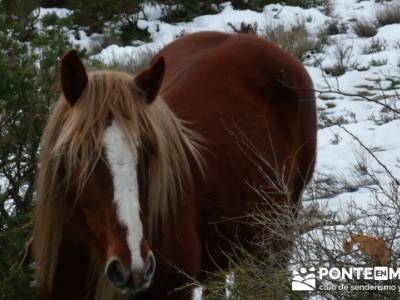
<point>149,81</point>
<point>73,77</point>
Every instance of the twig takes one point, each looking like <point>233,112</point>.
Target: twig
<point>356,95</point>
<point>371,153</point>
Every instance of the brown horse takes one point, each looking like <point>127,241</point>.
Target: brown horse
<point>141,178</point>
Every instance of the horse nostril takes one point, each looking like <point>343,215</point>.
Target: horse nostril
<point>116,273</point>
<point>122,278</point>
<point>150,267</point>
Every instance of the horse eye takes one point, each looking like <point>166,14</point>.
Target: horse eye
<point>147,146</point>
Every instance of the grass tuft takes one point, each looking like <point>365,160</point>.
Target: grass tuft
<point>389,15</point>
<point>376,45</point>
<point>364,28</point>
<point>296,40</point>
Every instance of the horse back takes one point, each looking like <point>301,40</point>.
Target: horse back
<point>223,84</point>
<point>254,106</point>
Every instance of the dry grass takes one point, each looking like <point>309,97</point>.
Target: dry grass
<point>295,40</point>
<point>320,238</point>
<point>389,15</point>
<point>344,60</point>
<point>334,27</point>
<point>375,45</point>
<point>262,274</point>
<point>364,28</point>
<point>356,236</point>
<point>132,64</point>
<point>244,28</point>
<point>328,8</point>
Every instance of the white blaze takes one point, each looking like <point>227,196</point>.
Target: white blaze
<point>123,164</point>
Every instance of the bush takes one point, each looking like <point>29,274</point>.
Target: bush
<point>131,65</point>
<point>28,88</point>
<point>95,14</point>
<point>186,10</point>
<point>117,18</point>
<point>389,15</point>
<point>259,4</point>
<point>364,28</point>
<point>378,62</point>
<point>343,61</point>
<point>261,273</point>
<point>321,238</point>
<point>334,27</point>
<point>296,40</point>
<point>376,45</point>
<point>244,28</point>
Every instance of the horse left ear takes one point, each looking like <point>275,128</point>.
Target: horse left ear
<point>149,81</point>
<point>73,76</point>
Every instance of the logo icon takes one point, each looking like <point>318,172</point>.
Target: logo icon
<point>305,280</point>
<point>381,273</point>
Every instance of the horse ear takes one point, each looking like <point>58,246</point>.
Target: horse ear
<point>149,80</point>
<point>73,77</point>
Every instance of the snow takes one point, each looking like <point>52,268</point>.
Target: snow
<point>152,12</point>
<point>117,53</point>
<point>59,12</point>
<point>390,33</point>
<point>83,41</point>
<point>350,9</point>
<point>163,33</point>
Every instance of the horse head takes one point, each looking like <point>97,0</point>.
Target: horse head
<point>111,203</point>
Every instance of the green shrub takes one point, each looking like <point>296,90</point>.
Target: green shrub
<point>186,10</point>
<point>334,27</point>
<point>259,4</point>
<point>378,62</point>
<point>244,28</point>
<point>95,14</point>
<point>117,16</point>
<point>28,88</point>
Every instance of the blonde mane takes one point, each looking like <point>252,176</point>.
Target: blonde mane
<point>72,145</point>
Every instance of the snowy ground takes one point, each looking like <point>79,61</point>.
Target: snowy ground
<point>338,152</point>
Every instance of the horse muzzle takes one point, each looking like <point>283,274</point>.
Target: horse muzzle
<point>127,280</point>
